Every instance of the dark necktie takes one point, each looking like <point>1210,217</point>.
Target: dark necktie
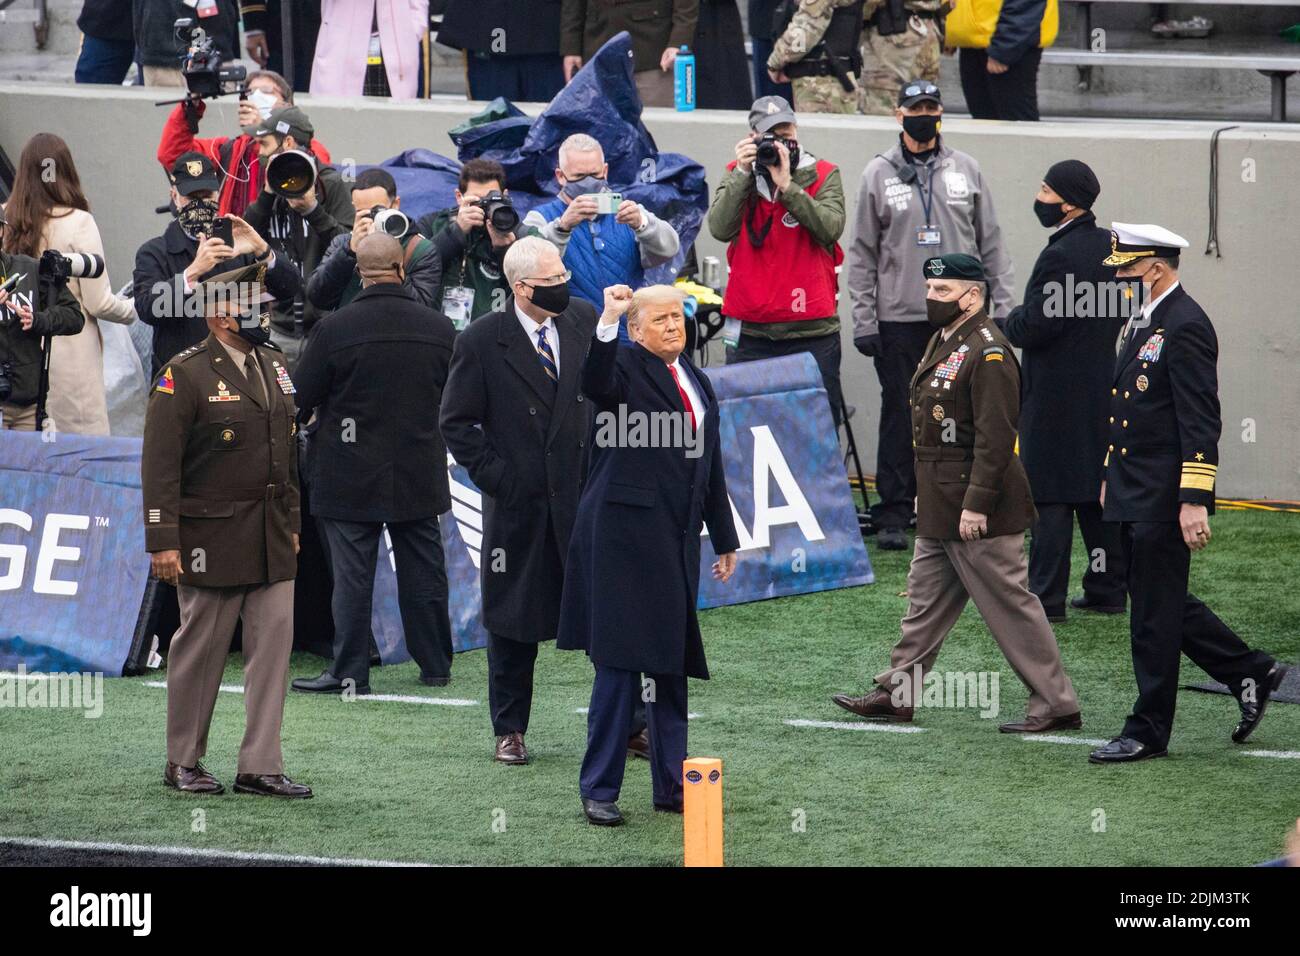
<point>547,357</point>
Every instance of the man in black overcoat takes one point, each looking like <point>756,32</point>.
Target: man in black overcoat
<point>633,573</point>
<point>513,415</point>
<point>1067,329</point>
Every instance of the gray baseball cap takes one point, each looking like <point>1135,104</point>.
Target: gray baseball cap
<point>769,111</point>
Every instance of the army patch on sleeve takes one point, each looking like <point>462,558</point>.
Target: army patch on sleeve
<point>994,353</point>
<point>166,384</point>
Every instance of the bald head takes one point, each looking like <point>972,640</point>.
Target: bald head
<point>379,259</point>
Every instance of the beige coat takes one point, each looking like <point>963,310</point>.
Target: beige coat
<point>76,400</point>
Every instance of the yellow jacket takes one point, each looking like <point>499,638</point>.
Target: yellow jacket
<point>971,23</point>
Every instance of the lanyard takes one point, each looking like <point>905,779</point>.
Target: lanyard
<point>927,194</point>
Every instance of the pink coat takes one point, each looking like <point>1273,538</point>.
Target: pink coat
<point>340,65</point>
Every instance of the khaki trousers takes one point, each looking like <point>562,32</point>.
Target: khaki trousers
<point>655,87</point>
<point>198,657</point>
<point>19,418</point>
<point>994,573</point>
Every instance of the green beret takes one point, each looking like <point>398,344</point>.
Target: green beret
<point>955,265</point>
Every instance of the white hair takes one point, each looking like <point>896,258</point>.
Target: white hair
<point>523,257</point>
<point>580,143</point>
<point>652,294</point>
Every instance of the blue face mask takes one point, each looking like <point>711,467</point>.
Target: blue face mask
<point>581,187</point>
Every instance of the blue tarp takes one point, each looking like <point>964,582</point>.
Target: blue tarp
<point>602,102</point>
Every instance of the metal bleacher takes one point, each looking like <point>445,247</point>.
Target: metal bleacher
<point>1272,56</point>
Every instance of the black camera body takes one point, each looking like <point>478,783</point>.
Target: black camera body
<point>57,267</point>
<point>767,153</point>
<point>499,210</point>
<point>202,69</point>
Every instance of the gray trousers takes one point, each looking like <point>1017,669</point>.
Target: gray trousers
<point>994,574</point>
<point>197,659</point>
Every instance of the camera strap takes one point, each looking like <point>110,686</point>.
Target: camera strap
<point>757,236</point>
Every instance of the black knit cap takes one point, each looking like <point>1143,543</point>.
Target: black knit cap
<point>1074,181</point>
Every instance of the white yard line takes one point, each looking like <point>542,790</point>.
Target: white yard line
<point>200,853</point>
<point>382,698</point>
<point>865,725</point>
<point>1280,754</point>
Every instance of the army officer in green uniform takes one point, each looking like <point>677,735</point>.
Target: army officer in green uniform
<point>220,485</point>
<point>973,506</point>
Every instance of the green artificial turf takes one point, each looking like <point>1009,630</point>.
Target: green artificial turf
<point>399,781</point>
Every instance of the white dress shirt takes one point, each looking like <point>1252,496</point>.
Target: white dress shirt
<point>530,328</point>
<point>1146,314</point>
<point>608,333</point>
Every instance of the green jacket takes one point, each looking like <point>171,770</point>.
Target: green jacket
<point>822,215</point>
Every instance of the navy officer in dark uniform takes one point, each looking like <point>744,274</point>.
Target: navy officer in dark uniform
<point>1066,330</point>
<point>1160,469</point>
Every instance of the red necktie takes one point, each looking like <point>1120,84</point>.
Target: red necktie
<point>686,402</point>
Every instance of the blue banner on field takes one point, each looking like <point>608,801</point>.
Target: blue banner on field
<point>72,562</point>
<point>790,497</point>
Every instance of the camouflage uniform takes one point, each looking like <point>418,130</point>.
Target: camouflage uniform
<point>814,94</point>
<point>889,62</point>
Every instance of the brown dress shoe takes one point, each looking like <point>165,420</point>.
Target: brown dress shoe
<point>1041,725</point>
<point>511,749</point>
<point>194,779</point>
<point>638,745</point>
<point>270,785</point>
<point>875,705</point>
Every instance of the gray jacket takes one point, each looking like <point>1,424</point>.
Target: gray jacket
<point>884,261</point>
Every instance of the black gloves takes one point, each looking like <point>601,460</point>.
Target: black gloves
<point>868,345</point>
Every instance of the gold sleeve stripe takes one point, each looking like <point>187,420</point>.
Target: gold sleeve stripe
<point>1198,482</point>
<point>1200,466</point>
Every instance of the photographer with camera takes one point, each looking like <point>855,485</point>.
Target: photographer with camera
<point>33,305</point>
<point>605,240</point>
<point>236,157</point>
<point>51,212</point>
<point>472,238</point>
<point>302,207</point>
<point>337,279</point>
<point>781,210</point>
<point>196,244</point>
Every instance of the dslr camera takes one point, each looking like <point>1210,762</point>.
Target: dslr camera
<point>202,69</point>
<point>57,267</point>
<point>394,222</point>
<point>500,211</point>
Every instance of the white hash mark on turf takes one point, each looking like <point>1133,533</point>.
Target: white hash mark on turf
<point>1058,739</point>
<point>382,698</point>
<point>200,852</point>
<point>1281,754</point>
<point>845,725</point>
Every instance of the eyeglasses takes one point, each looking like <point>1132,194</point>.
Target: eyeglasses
<point>924,88</point>
<point>564,276</point>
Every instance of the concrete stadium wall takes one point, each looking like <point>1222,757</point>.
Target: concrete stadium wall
<point>1150,172</point>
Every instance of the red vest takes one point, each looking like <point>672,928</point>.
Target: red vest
<point>790,277</point>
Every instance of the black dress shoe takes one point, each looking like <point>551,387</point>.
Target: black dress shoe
<point>891,539</point>
<point>602,813</point>
<point>270,785</point>
<point>1252,713</point>
<point>1124,750</point>
<point>326,683</point>
<point>1085,603</point>
<point>433,680</point>
<point>1055,615</point>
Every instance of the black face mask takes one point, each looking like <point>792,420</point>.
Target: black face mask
<point>197,216</point>
<point>255,331</point>
<point>1049,213</point>
<point>940,313</point>
<point>922,128</point>
<point>551,298</point>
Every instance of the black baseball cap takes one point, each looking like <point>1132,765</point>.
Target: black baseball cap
<point>918,91</point>
<point>286,121</point>
<point>193,172</point>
